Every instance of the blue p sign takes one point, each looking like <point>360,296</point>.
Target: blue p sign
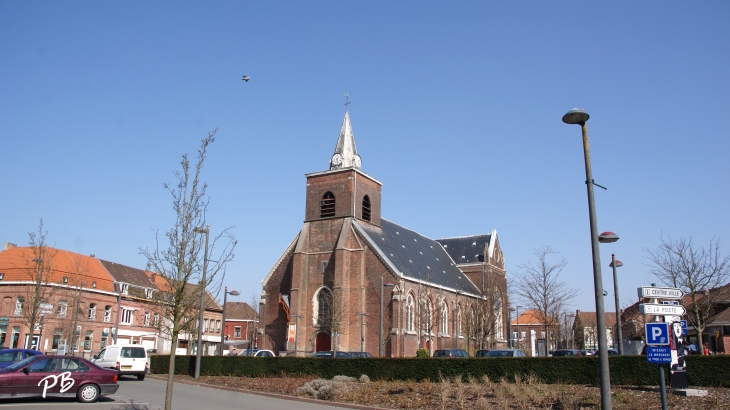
<point>657,334</point>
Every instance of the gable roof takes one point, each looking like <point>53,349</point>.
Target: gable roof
<point>126,274</point>
<point>411,255</point>
<point>239,311</point>
<point>531,317</point>
<point>163,286</point>
<point>589,318</point>
<point>16,263</point>
<point>466,249</point>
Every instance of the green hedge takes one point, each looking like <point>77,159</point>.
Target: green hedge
<point>625,370</point>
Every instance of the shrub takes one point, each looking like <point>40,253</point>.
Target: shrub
<point>422,353</point>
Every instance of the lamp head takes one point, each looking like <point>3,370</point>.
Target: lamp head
<point>618,264</point>
<point>607,237</point>
<point>200,229</point>
<point>576,116</point>
<point>234,293</point>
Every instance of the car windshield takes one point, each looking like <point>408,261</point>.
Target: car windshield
<point>18,365</point>
<point>499,353</point>
<point>562,353</point>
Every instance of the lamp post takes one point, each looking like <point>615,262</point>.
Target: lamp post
<point>199,349</point>
<point>511,334</point>
<point>518,326</point>
<point>579,117</point>
<point>223,328</point>
<point>296,331</point>
<point>380,343</point>
<point>572,331</point>
<point>615,263</point>
<point>362,319</point>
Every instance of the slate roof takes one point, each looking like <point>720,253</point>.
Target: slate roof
<point>466,249</point>
<point>126,274</point>
<point>415,256</point>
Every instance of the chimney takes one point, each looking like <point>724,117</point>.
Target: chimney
<point>9,245</point>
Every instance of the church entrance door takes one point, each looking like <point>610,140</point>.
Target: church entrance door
<point>323,342</point>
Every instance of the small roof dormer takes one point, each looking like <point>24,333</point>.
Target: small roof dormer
<point>345,155</point>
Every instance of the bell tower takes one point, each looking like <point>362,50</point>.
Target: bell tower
<point>344,190</point>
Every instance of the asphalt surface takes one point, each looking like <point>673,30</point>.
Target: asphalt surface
<point>150,395</point>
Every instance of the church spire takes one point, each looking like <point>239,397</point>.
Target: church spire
<point>345,155</point>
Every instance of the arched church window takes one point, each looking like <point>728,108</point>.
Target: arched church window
<point>366,208</point>
<point>444,318</point>
<point>327,208</point>
<point>409,314</point>
<point>324,300</point>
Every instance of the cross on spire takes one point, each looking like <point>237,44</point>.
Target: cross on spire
<point>347,102</point>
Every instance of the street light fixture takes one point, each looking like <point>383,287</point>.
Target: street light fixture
<point>223,328</point>
<point>615,263</point>
<point>199,349</point>
<point>362,318</point>
<point>382,285</point>
<point>579,117</point>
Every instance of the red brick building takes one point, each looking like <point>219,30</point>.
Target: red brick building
<point>324,293</point>
<point>240,328</point>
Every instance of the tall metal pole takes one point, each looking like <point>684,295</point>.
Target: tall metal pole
<point>518,326</point>
<point>605,375</point>
<point>223,327</point>
<point>199,352</point>
<point>618,308</point>
<point>380,342</point>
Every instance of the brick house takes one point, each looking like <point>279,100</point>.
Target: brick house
<point>529,335</point>
<point>240,326</point>
<point>325,291</point>
<point>585,330</point>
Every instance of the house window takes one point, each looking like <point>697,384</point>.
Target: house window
<point>62,308</point>
<point>87,340</point>
<point>57,335</point>
<point>366,208</point>
<point>444,318</point>
<point>237,332</point>
<point>148,293</point>
<point>19,306</point>
<point>127,316</point>
<point>146,318</point>
<point>92,311</point>
<point>409,314</point>
<point>324,266</point>
<point>218,326</point>
<point>205,325</point>
<point>107,313</point>
<point>125,289</point>
<point>156,322</point>
<point>327,207</point>
<point>428,323</point>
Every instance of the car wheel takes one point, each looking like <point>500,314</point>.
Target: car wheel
<point>140,377</point>
<point>88,393</point>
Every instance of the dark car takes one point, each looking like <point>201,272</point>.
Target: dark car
<point>451,353</point>
<point>481,353</point>
<point>567,352</point>
<point>10,356</point>
<point>505,353</point>
<point>360,355</point>
<point>57,376</point>
<point>611,352</point>
<point>328,354</point>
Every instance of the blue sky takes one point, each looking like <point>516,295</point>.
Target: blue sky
<point>456,108</point>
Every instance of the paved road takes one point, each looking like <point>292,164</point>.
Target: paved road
<point>150,395</point>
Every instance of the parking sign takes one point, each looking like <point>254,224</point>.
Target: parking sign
<point>657,334</point>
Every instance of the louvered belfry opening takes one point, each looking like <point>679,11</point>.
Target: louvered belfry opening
<point>366,208</point>
<point>328,205</point>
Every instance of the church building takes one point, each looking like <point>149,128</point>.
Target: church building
<point>354,281</point>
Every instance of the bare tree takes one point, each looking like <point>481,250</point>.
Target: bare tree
<point>255,308</point>
<point>539,285</point>
<point>38,265</point>
<point>333,313</point>
<point>428,304</point>
<point>697,271</point>
<point>180,262</point>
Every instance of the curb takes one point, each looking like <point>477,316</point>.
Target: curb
<point>272,395</point>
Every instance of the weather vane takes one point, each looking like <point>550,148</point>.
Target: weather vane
<point>347,102</point>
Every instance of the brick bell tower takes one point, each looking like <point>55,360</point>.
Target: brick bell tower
<point>328,256</point>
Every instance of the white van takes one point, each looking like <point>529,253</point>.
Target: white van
<point>125,359</point>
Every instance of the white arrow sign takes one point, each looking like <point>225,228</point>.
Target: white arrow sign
<point>660,293</point>
<point>661,310</point>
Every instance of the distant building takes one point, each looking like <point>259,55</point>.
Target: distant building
<point>240,329</point>
<point>585,330</point>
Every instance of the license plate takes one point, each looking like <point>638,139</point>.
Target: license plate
<point>126,367</point>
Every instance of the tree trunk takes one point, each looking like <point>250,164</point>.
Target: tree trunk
<point>171,372</point>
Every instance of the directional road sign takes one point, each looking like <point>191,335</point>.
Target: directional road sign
<point>657,334</point>
<point>660,293</point>
<point>659,354</point>
<point>660,310</point>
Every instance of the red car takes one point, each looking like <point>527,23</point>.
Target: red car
<point>57,376</point>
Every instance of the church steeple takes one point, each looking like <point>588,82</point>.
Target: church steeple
<point>345,155</point>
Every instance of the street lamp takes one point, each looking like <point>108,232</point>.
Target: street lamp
<point>579,117</point>
<point>572,331</point>
<point>615,263</point>
<point>382,285</point>
<point>199,350</point>
<point>518,326</point>
<point>511,334</point>
<point>362,317</point>
<point>223,328</point>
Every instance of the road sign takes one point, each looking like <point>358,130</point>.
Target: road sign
<point>660,293</point>
<point>659,354</point>
<point>657,334</point>
<point>684,327</point>
<point>660,310</point>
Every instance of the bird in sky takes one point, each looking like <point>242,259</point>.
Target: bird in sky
<point>246,78</point>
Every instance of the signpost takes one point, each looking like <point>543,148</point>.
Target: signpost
<point>652,292</point>
<point>661,310</point>
<point>657,334</point>
<point>659,354</point>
